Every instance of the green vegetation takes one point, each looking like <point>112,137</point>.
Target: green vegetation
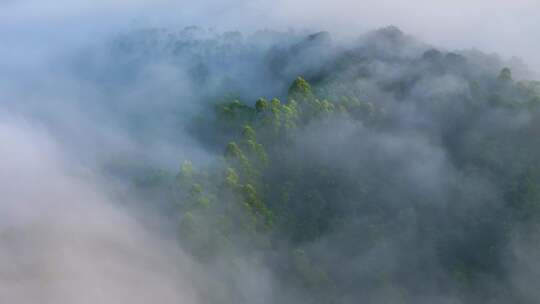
<point>359,182</point>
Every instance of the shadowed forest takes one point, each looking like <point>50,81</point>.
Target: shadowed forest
<point>387,171</point>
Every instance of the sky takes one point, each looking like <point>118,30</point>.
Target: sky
<point>506,27</point>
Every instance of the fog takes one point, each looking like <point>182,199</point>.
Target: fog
<point>100,97</point>
<point>64,240</point>
<point>505,27</point>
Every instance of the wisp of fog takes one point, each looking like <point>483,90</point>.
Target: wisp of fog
<point>269,151</point>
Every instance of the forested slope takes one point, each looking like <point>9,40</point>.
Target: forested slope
<point>385,171</point>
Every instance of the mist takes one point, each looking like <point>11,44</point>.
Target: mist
<point>500,27</point>
<point>65,241</point>
<point>142,157</point>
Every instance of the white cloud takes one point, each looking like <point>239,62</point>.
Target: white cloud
<point>62,239</point>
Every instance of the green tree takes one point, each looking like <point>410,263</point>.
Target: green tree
<point>300,90</point>
<point>505,75</point>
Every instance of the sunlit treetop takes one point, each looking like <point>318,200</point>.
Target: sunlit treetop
<point>300,90</point>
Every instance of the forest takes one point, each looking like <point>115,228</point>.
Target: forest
<point>269,152</point>
<point>385,171</point>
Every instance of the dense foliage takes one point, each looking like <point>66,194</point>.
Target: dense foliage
<point>401,174</point>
